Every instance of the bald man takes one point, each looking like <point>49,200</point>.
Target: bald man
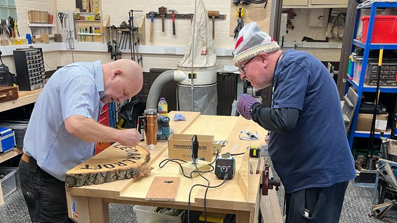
<point>63,130</point>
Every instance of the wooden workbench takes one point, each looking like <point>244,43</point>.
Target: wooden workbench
<point>90,203</point>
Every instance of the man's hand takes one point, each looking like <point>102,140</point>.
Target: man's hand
<point>244,105</point>
<point>129,137</point>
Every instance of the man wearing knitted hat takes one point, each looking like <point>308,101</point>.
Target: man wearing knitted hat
<point>308,144</point>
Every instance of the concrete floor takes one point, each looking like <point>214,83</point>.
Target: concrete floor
<point>355,209</point>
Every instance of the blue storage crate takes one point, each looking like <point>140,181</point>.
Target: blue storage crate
<point>7,138</point>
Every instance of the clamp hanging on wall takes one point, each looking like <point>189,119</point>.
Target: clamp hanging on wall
<point>240,21</point>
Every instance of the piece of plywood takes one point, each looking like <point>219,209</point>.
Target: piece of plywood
<point>163,189</point>
<point>124,162</point>
<point>253,13</point>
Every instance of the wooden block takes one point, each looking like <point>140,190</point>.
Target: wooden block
<point>163,189</point>
<point>189,167</point>
<point>141,31</point>
<point>125,162</point>
<point>8,93</point>
<point>243,175</point>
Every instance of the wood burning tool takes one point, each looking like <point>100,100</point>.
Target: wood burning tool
<point>173,11</point>
<point>163,123</point>
<point>162,12</point>
<point>213,14</point>
<point>195,147</point>
<point>225,165</point>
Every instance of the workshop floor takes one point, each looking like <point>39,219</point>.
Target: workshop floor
<point>355,209</point>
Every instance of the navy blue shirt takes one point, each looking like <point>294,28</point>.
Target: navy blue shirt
<point>316,153</point>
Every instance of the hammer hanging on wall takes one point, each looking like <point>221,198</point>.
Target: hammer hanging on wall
<point>173,20</point>
<point>162,12</point>
<point>213,14</point>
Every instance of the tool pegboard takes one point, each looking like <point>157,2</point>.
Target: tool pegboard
<point>181,16</point>
<point>253,13</point>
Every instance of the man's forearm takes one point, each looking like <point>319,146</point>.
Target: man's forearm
<point>277,120</point>
<point>89,130</point>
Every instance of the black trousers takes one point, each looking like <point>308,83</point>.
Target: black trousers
<point>44,194</point>
<point>316,205</point>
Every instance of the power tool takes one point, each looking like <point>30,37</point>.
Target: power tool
<point>225,165</point>
<point>163,131</point>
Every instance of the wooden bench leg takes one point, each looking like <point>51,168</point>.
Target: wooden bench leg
<point>243,217</point>
<point>99,210</point>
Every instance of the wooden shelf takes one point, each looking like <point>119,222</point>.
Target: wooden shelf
<point>88,20</point>
<point>25,98</point>
<point>90,34</point>
<point>10,154</point>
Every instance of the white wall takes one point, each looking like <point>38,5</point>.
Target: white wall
<point>118,11</point>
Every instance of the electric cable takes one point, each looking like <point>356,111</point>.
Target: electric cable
<point>165,161</point>
<point>202,185</point>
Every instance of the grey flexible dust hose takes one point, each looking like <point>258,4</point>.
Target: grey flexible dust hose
<point>157,86</point>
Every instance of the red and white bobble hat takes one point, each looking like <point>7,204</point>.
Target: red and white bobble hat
<point>252,41</point>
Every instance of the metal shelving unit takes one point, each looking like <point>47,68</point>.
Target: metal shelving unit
<point>361,87</point>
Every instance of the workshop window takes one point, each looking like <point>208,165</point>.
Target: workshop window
<point>8,8</point>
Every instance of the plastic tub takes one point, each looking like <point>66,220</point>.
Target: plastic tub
<point>384,30</point>
<point>8,183</point>
<point>145,214</point>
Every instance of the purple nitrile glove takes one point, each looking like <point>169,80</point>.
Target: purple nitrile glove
<point>244,105</point>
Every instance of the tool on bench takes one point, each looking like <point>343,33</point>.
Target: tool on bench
<point>249,135</point>
<point>225,164</point>
<point>173,20</point>
<point>163,123</point>
<point>151,25</point>
<point>255,151</point>
<point>195,147</point>
<point>213,14</point>
<point>162,12</point>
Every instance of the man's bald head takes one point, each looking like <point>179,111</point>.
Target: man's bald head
<point>122,79</point>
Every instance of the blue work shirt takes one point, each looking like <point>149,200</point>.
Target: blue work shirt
<point>316,153</point>
<point>75,89</point>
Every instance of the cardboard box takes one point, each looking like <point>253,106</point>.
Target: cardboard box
<point>179,147</point>
<point>365,120</point>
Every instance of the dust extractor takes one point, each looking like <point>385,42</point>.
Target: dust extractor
<point>196,73</point>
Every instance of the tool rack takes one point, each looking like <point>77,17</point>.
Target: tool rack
<point>360,86</point>
<point>181,16</point>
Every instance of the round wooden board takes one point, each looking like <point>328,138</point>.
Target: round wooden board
<point>118,162</point>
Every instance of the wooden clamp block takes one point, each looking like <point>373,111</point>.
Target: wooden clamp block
<point>189,167</point>
<point>44,38</point>
<point>243,175</point>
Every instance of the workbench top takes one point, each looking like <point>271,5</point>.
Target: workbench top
<point>229,194</point>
